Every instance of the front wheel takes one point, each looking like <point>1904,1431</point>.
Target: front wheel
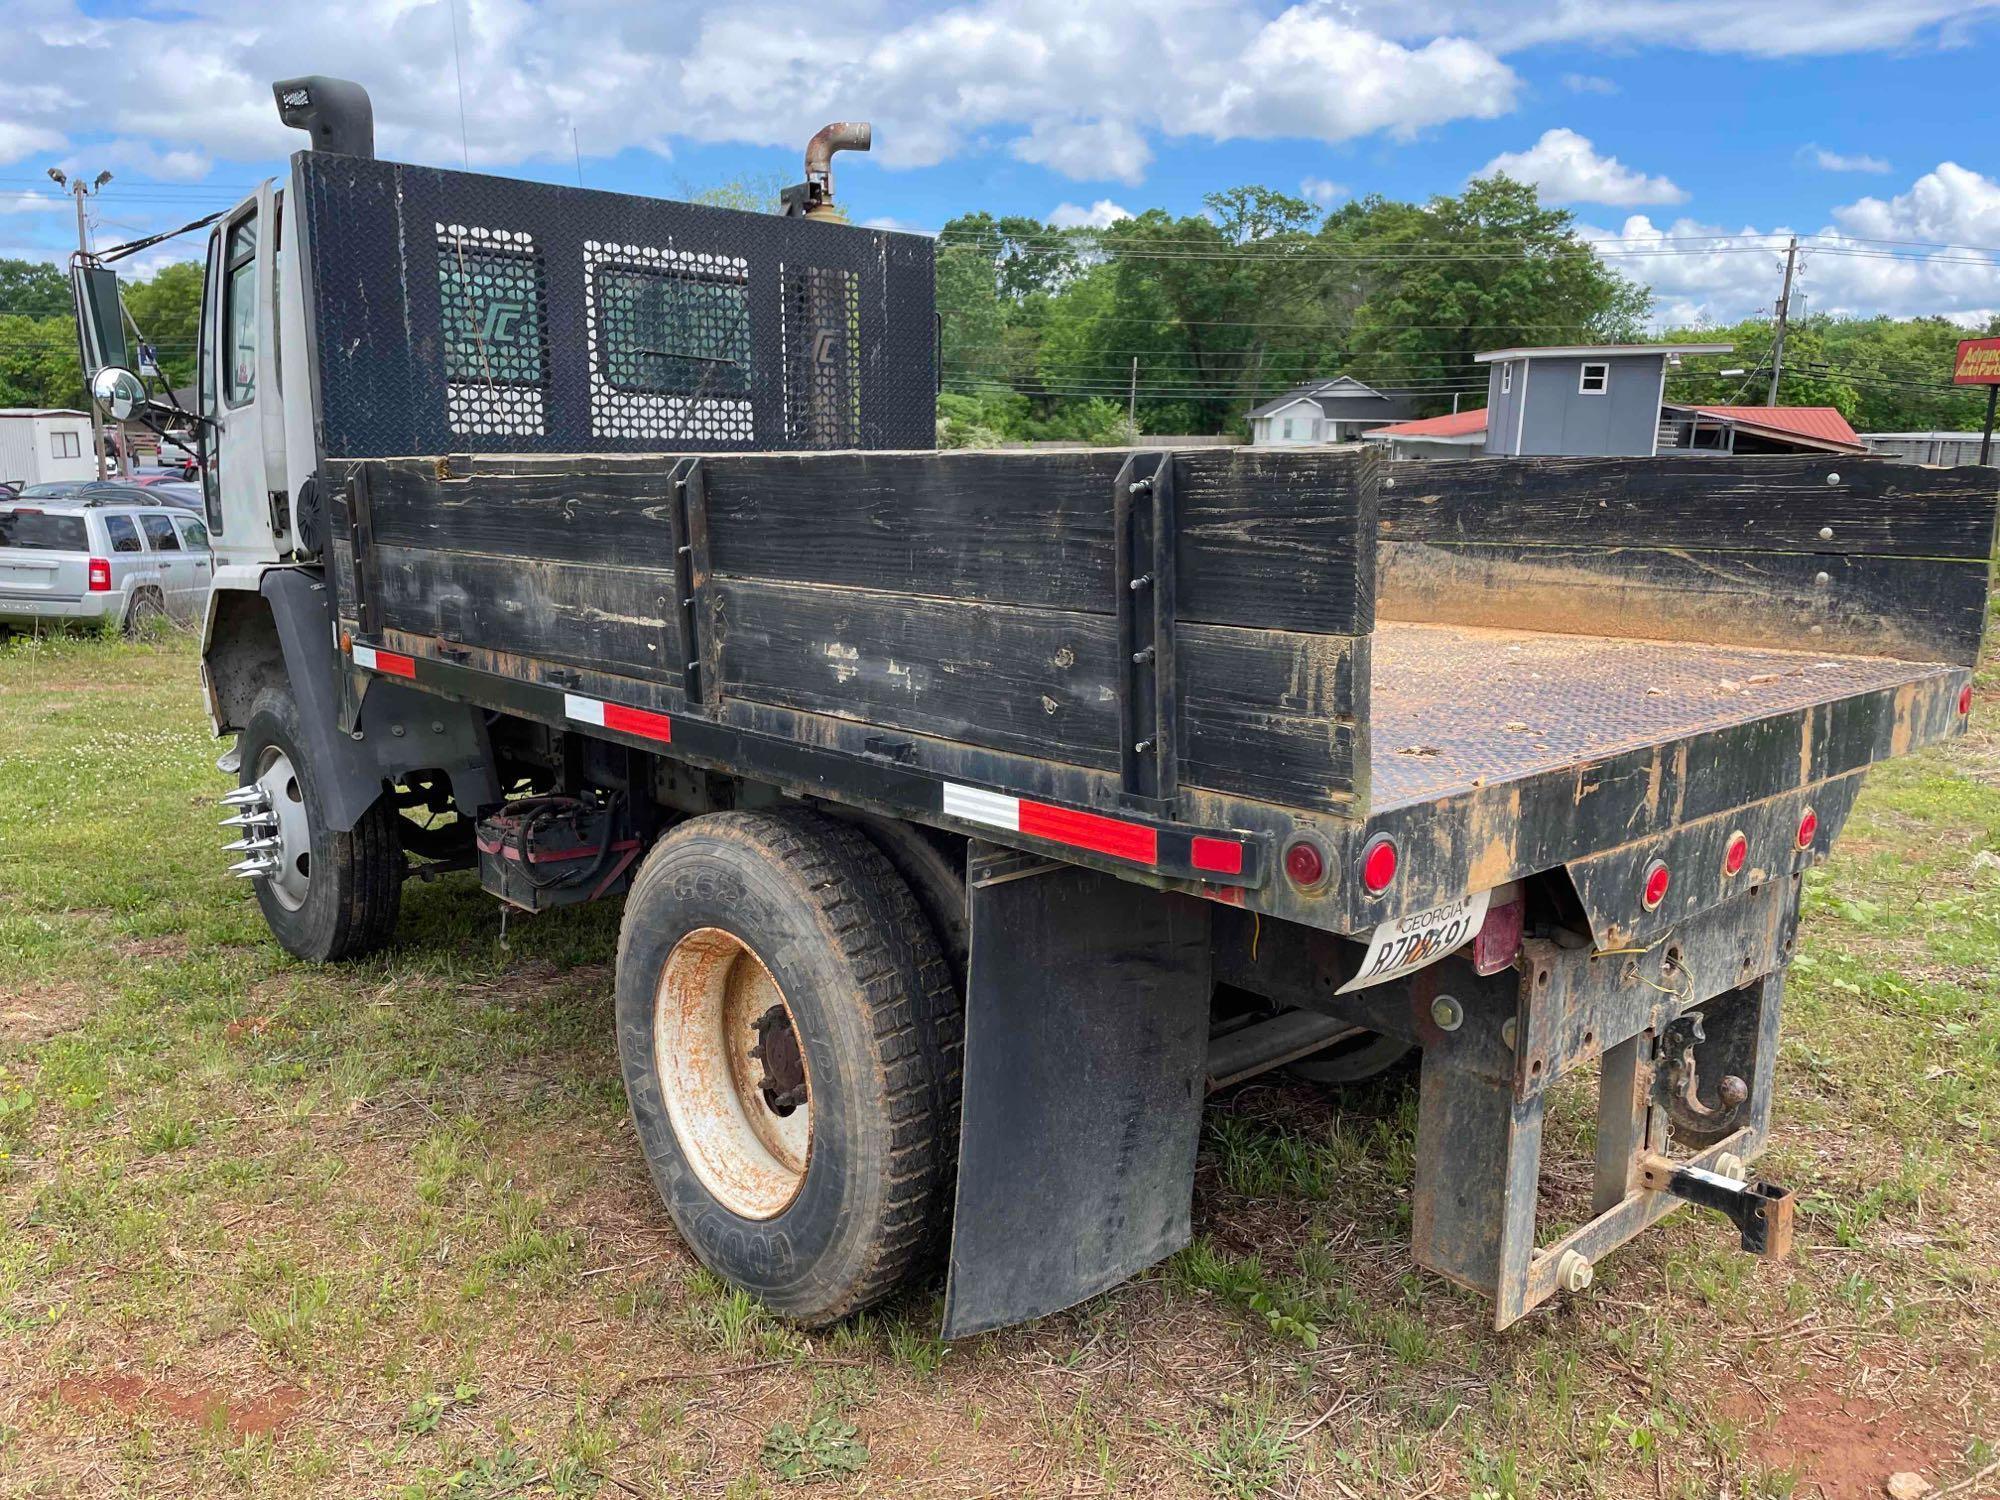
<point>325,895</point>
<point>790,1040</point>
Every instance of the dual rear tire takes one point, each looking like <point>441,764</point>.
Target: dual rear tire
<point>791,1035</point>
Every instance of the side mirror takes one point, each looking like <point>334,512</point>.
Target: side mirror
<point>100,320</point>
<point>118,391</point>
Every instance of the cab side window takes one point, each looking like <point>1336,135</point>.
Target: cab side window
<point>239,313</point>
<point>205,443</point>
<point>121,533</point>
<point>160,533</point>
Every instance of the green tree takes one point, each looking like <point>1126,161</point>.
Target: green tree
<point>33,289</point>
<point>38,363</point>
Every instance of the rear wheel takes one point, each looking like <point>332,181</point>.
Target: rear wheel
<point>790,1040</point>
<point>145,611</point>
<point>325,895</point>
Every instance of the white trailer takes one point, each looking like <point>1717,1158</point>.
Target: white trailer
<point>38,444</point>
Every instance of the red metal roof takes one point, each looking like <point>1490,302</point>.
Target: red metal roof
<point>1820,424</point>
<point>1458,424</point>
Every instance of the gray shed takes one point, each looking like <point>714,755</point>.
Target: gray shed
<point>1579,400</point>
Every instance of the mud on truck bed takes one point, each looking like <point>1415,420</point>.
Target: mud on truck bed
<point>977,813</point>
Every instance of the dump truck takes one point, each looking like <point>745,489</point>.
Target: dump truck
<point>976,815</point>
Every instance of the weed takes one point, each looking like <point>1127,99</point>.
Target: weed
<point>825,1448</point>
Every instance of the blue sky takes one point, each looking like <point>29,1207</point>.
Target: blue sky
<point>1667,125</point>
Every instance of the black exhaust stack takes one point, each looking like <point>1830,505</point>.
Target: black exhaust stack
<point>334,112</point>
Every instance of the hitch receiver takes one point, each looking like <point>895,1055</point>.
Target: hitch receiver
<point>1762,1211</point>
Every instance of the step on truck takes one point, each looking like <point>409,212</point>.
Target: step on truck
<point>977,814</point>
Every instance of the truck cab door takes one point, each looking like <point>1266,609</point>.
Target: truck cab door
<point>239,386</point>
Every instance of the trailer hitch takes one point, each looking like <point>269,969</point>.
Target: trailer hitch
<point>1761,1211</point>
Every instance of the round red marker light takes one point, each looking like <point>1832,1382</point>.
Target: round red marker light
<point>1658,878</point>
<point>1965,699</point>
<point>1304,864</point>
<point>1734,854</point>
<point>1378,865</point>
<point>1808,826</point>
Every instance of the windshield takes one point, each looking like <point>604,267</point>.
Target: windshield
<point>50,489</point>
<point>38,531</point>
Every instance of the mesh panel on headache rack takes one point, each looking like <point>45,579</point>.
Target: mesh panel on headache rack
<point>456,313</point>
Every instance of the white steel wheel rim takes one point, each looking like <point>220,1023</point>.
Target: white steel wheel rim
<point>292,878</point>
<point>712,990</point>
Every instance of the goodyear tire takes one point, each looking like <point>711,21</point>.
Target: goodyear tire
<point>790,1039</point>
<point>333,895</point>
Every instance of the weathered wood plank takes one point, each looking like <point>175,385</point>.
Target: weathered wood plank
<point>1036,681</point>
<point>1271,714</point>
<point>609,618</point>
<point>588,514</point>
<point>1826,504</point>
<point>1920,610</point>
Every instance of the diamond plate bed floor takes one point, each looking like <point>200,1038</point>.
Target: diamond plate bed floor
<point>1453,707</point>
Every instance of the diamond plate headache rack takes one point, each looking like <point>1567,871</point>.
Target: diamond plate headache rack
<point>459,313</point>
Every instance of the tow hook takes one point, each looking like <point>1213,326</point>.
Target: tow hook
<point>1761,1211</point>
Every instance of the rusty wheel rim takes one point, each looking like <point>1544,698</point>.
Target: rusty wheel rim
<point>731,1073</point>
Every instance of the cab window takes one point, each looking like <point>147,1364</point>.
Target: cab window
<point>123,537</point>
<point>160,533</point>
<point>239,313</point>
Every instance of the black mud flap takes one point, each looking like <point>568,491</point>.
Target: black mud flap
<point>1086,1035</point>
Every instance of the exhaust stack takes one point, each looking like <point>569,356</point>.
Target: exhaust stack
<point>813,198</point>
<point>334,112</point>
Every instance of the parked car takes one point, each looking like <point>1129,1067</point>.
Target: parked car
<point>97,556</point>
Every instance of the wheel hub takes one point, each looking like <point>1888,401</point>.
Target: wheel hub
<point>277,835</point>
<point>732,1073</point>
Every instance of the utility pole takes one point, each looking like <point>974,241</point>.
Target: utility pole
<point>81,190</point>
<point>1132,404</point>
<point>1784,312</point>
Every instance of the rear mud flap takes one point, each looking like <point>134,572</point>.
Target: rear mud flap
<point>1086,1038</point>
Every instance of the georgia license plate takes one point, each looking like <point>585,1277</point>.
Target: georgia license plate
<point>1408,943</point>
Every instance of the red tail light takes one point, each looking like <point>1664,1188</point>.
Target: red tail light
<point>1378,865</point>
<point>1304,865</point>
<point>100,575</point>
<point>1734,854</point>
<point>1808,826</point>
<point>1658,878</point>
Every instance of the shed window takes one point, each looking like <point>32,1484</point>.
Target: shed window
<point>65,443</point>
<point>1595,380</point>
<point>1507,377</point>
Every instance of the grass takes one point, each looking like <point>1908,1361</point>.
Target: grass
<point>383,1230</point>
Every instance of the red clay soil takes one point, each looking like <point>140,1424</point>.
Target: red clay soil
<point>244,1416</point>
<point>1842,1447</point>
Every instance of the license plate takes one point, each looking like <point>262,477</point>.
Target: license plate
<point>1408,943</point>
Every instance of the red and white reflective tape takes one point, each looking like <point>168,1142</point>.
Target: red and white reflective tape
<point>1081,830</point>
<point>394,663</point>
<point>639,721</point>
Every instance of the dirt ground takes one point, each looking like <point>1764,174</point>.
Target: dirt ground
<point>383,1230</point>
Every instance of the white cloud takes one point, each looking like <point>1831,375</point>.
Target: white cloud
<point>1086,87</point>
<point>18,140</point>
<point>1322,191</point>
<point>1087,150</point>
<point>1833,161</point>
<point>1588,83</point>
<point>1567,169</point>
<point>1776,28</point>
<point>1845,268</point>
<point>899,226</point>
<point>1100,215</point>
<point>33,202</point>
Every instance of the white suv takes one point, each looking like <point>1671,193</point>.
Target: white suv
<point>108,553</point>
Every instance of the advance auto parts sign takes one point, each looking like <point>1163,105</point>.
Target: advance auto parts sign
<point>1978,363</point>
